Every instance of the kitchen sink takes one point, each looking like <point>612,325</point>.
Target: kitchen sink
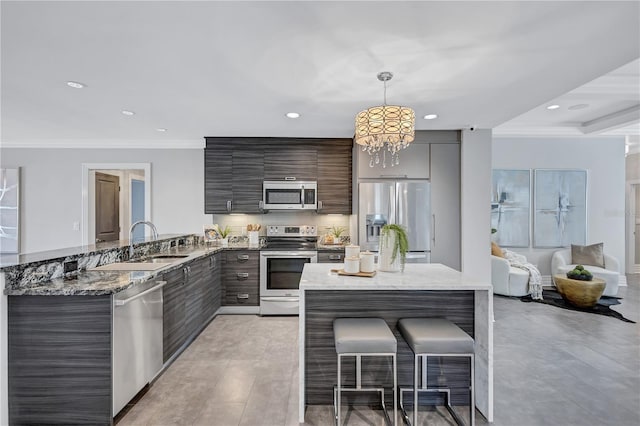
<point>148,264</point>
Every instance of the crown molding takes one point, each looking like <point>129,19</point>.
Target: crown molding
<point>105,143</point>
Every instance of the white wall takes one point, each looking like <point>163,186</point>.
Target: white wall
<point>51,186</point>
<point>475,186</point>
<point>602,157</point>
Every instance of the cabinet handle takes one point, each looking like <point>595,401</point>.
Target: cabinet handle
<point>261,205</point>
<point>289,178</point>
<point>394,176</point>
<point>335,257</point>
<point>242,274</point>
<point>319,205</point>
<point>243,257</point>
<point>229,205</point>
<point>242,295</point>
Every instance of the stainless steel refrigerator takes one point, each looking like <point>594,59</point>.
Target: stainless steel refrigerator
<point>403,202</point>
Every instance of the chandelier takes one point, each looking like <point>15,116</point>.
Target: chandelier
<point>385,128</point>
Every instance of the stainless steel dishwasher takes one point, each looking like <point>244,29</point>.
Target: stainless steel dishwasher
<point>137,340</point>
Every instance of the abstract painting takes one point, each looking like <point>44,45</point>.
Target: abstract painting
<point>9,210</point>
<point>511,207</point>
<point>560,205</point>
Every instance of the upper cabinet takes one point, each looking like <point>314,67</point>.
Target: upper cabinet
<point>290,163</point>
<point>414,163</point>
<point>236,167</point>
<point>334,179</point>
<point>218,194</point>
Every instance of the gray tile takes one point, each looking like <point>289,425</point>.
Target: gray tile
<point>552,366</point>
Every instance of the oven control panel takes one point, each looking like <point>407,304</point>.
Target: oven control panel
<point>291,231</point>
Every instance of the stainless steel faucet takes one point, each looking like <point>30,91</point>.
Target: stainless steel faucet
<point>140,222</point>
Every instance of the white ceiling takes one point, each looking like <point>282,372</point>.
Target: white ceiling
<point>235,68</point>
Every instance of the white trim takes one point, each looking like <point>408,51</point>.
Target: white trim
<point>111,166</point>
<point>548,282</point>
<point>107,143</point>
<point>630,225</point>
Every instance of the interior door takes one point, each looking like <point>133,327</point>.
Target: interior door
<point>107,207</point>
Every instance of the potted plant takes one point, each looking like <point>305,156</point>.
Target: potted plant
<point>224,234</point>
<point>579,273</point>
<point>337,232</point>
<point>394,246</point>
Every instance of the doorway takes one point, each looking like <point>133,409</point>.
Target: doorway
<point>633,228</point>
<point>107,196</point>
<point>134,199</point>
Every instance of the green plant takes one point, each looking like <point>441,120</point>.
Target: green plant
<point>337,231</point>
<point>401,245</point>
<point>579,273</point>
<point>224,233</point>
<point>494,230</point>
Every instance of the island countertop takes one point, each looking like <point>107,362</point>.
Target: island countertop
<point>416,276</point>
<point>423,291</point>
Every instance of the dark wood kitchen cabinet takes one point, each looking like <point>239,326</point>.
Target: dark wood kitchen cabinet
<point>331,256</point>
<point>290,163</point>
<point>236,167</point>
<point>334,179</point>
<point>218,193</point>
<point>241,278</point>
<point>173,312</point>
<point>212,296</point>
<point>246,180</point>
<point>194,296</point>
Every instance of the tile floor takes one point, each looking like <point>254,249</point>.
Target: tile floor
<point>552,367</point>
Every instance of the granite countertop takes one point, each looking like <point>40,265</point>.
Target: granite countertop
<point>95,283</point>
<point>416,276</point>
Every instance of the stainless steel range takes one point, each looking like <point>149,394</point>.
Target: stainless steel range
<point>287,250</point>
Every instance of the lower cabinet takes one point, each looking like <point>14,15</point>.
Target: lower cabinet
<point>331,256</point>
<point>191,296</point>
<point>241,278</point>
<point>173,313</point>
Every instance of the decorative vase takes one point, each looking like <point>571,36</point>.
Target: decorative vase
<point>387,243</point>
<point>225,242</point>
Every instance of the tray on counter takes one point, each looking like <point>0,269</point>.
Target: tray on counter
<point>356,274</point>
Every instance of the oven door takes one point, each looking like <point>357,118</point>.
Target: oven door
<point>280,271</point>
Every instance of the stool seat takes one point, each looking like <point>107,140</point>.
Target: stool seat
<point>363,335</point>
<point>435,336</point>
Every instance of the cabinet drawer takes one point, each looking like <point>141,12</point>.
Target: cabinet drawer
<point>241,294</point>
<point>331,257</point>
<point>246,259</point>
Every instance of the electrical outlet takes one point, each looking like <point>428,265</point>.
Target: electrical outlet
<point>76,226</point>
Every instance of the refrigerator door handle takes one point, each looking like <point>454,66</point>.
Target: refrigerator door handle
<point>433,229</point>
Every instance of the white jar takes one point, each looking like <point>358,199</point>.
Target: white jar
<point>351,251</point>
<point>352,265</point>
<point>367,263</point>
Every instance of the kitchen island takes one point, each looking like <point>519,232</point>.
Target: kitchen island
<point>422,290</point>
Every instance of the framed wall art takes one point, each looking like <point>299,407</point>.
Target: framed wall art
<point>560,205</point>
<point>9,210</point>
<point>511,207</point>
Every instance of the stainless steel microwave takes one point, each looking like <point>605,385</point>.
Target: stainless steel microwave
<point>289,195</point>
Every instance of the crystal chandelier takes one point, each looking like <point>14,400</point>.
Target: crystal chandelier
<point>385,128</point>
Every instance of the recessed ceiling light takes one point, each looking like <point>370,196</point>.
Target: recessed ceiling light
<point>126,112</point>
<point>430,116</point>
<point>161,129</point>
<point>554,106</point>
<point>75,84</point>
<point>293,115</point>
<point>578,106</point>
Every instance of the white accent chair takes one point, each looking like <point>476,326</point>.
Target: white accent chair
<point>561,264</point>
<point>507,280</point>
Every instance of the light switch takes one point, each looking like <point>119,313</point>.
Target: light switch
<point>76,226</point>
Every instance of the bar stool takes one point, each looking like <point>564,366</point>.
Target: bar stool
<point>364,337</point>
<point>435,337</point>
